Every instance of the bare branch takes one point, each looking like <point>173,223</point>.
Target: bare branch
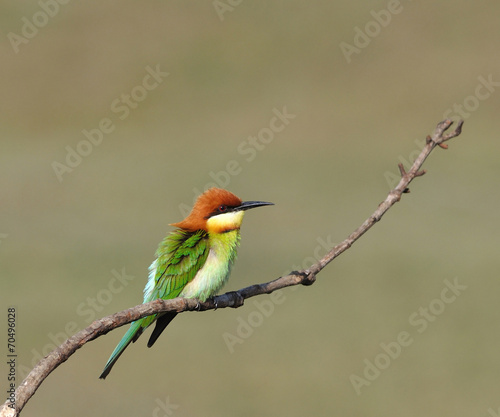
<point>231,299</point>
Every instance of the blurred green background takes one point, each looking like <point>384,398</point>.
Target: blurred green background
<point>356,117</point>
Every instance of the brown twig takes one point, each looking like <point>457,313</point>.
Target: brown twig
<point>231,299</point>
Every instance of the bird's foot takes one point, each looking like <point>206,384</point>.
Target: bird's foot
<point>212,299</point>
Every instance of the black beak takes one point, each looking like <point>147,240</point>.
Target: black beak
<point>252,204</point>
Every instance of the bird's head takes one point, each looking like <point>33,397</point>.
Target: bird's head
<point>217,211</point>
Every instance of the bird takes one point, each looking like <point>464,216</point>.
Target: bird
<point>193,261</point>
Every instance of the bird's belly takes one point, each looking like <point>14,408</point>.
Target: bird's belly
<point>209,279</point>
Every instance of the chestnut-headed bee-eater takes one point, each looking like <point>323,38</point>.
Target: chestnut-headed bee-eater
<point>193,261</point>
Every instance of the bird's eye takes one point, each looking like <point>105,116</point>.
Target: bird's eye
<point>222,208</point>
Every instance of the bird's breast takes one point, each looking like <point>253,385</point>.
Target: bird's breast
<point>215,272</point>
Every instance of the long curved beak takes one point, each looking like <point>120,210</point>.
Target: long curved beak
<point>246,205</point>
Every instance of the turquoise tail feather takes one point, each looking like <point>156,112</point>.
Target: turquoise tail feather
<point>132,334</point>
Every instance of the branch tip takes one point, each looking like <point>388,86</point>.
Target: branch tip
<point>444,125</point>
<point>401,169</point>
<point>456,132</point>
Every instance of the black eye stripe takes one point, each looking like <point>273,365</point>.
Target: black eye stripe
<point>221,210</point>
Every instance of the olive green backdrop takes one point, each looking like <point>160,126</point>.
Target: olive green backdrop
<point>358,87</point>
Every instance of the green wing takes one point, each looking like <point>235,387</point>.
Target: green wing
<point>179,257</point>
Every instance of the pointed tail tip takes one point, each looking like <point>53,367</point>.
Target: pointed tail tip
<point>132,334</point>
<point>109,365</point>
<point>105,373</point>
